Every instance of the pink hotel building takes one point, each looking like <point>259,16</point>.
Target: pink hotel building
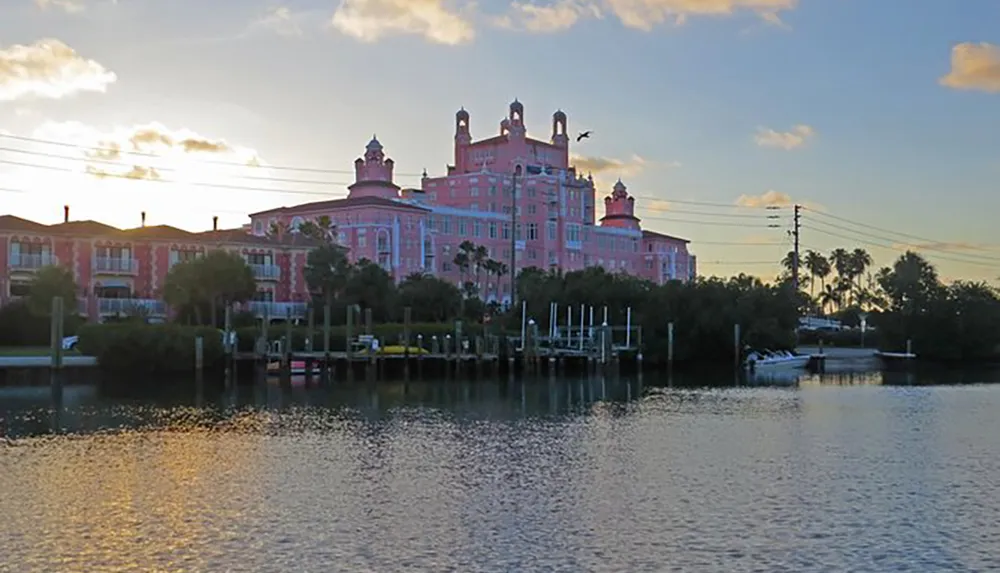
<point>406,231</point>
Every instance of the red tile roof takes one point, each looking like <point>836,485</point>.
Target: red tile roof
<point>655,235</point>
<point>346,202</point>
<point>94,229</point>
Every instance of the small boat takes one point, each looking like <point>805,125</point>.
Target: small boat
<point>298,367</point>
<point>895,356</point>
<point>775,359</point>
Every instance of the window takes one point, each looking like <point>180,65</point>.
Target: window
<point>505,232</point>
<point>474,206</point>
<point>461,228</point>
<point>573,233</point>
<point>493,190</point>
<point>474,192</point>
<point>362,239</point>
<point>477,228</point>
<point>296,223</point>
<point>258,227</point>
<point>493,230</point>
<point>532,209</point>
<point>532,231</point>
<point>251,258</point>
<point>446,225</point>
<point>552,230</point>
<point>519,232</point>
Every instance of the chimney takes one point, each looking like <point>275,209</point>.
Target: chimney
<point>65,213</point>
<point>143,218</point>
<point>215,223</point>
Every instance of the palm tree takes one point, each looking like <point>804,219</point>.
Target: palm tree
<point>479,257</point>
<point>861,261</point>
<point>789,263</point>
<point>830,296</point>
<point>815,264</point>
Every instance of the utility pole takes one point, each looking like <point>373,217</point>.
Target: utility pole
<point>513,240</point>
<point>796,225</point>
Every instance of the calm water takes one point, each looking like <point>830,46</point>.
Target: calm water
<point>841,474</point>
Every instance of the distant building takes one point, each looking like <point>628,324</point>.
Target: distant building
<point>119,270</point>
<point>555,224</point>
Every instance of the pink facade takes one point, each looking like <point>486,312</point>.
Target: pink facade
<point>508,181</point>
<point>118,270</point>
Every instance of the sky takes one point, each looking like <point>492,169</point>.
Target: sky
<point>880,118</point>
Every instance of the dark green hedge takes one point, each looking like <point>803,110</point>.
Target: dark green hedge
<point>20,327</point>
<point>148,348</point>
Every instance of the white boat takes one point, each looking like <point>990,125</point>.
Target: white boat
<point>775,360</point>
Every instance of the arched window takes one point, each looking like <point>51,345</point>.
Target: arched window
<point>296,223</point>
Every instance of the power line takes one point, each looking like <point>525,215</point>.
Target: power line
<point>707,203</point>
<point>899,249</point>
<point>133,152</point>
<point>158,168</point>
<point>881,229</point>
<point>890,240</point>
<point>701,262</point>
<point>192,183</point>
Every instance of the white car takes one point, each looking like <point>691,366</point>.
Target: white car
<point>69,343</point>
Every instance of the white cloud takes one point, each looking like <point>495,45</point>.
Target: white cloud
<point>438,21</point>
<point>556,15</point>
<point>543,18</point>
<point>142,151</point>
<point>49,69</point>
<point>608,165</point>
<point>281,20</point>
<point>68,6</point>
<point>797,137</point>
<point>974,67</point>
<point>770,198</point>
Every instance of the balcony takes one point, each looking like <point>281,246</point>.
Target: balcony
<point>266,272</point>
<point>115,266</point>
<point>277,310</point>
<point>23,262</point>
<point>132,306</point>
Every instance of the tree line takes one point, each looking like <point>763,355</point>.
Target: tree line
<point>903,301</point>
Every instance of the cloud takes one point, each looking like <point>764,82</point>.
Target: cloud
<point>438,21</point>
<point>136,172</point>
<point>557,15</point>
<point>49,69</point>
<point>280,20</point>
<point>142,151</point>
<point>787,140</point>
<point>770,198</point>
<point>554,17</point>
<point>603,165</point>
<point>974,67</point>
<point>68,6</point>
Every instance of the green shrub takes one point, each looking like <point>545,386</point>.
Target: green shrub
<point>20,327</point>
<point>148,348</point>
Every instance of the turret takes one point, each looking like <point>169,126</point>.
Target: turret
<point>373,173</point>
<point>463,138</point>
<point>619,209</point>
<point>559,136</point>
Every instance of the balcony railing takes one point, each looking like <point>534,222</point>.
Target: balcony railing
<point>132,306</point>
<point>109,265</point>
<point>266,272</point>
<point>32,262</point>
<point>277,309</point>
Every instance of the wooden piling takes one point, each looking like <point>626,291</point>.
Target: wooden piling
<point>199,355</point>
<point>327,372</point>
<point>670,344</point>
<point>737,351</point>
<point>56,333</point>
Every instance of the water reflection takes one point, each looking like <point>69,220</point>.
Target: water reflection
<point>842,472</point>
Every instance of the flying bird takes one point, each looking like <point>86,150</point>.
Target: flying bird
<point>583,135</point>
